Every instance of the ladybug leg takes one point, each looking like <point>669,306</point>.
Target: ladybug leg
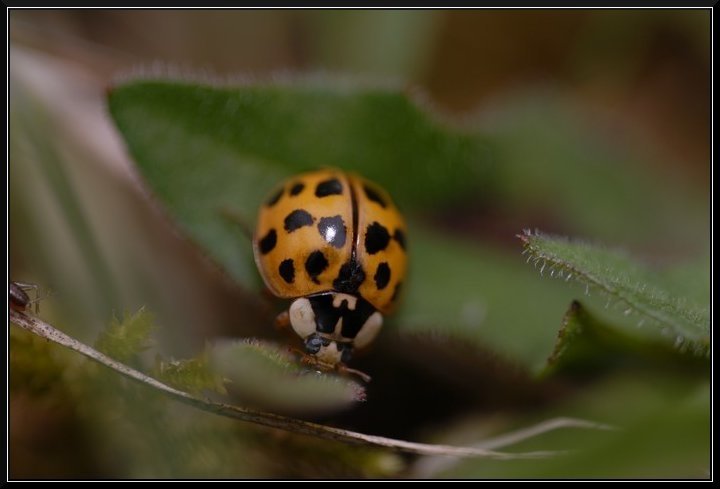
<point>35,303</point>
<point>301,354</point>
<point>310,361</point>
<point>305,359</point>
<point>345,370</point>
<point>341,368</point>
<point>282,321</point>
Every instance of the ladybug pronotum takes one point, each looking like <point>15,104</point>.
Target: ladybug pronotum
<point>335,243</point>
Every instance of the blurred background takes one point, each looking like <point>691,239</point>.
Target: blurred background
<point>601,120</point>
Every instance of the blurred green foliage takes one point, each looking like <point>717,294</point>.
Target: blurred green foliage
<point>571,165</point>
<point>225,147</point>
<point>663,432</point>
<point>137,432</point>
<point>475,350</point>
<point>125,338</point>
<point>193,375</point>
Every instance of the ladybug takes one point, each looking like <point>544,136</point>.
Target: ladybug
<point>335,243</point>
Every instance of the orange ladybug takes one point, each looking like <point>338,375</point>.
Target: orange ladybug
<point>335,243</point>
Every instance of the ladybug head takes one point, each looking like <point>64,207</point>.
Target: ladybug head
<point>332,323</point>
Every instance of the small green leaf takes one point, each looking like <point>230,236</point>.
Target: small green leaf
<point>193,375</point>
<point>587,345</point>
<point>637,289</point>
<point>212,151</point>
<point>261,374</point>
<point>124,339</point>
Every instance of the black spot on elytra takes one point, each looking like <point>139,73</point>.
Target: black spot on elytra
<point>297,219</point>
<point>316,264</point>
<point>287,270</point>
<point>275,197</point>
<point>382,275</point>
<point>297,188</point>
<point>376,238</point>
<point>329,187</point>
<point>373,195</point>
<point>333,230</point>
<point>399,236</point>
<point>349,278</point>
<point>396,292</point>
<point>268,242</point>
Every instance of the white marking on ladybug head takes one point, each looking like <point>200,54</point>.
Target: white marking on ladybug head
<point>369,330</point>
<point>302,317</point>
<point>339,298</point>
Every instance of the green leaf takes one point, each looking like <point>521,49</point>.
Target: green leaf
<point>637,289</point>
<point>264,375</point>
<point>481,296</point>
<point>209,151</point>
<point>193,375</point>
<point>124,339</point>
<point>587,345</point>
